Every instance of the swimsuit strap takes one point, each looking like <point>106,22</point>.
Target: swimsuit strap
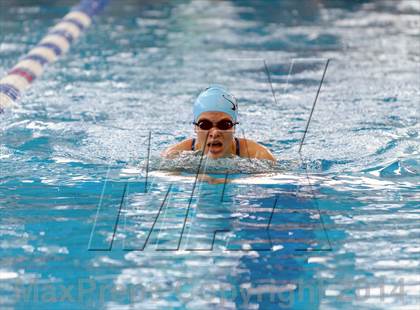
<point>238,150</point>
<point>192,144</point>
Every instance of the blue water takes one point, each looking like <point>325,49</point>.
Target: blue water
<point>334,227</point>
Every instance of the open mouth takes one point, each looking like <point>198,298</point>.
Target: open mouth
<point>215,147</point>
<point>215,144</point>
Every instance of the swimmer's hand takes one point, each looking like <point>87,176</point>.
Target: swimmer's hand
<point>205,178</point>
<point>211,180</point>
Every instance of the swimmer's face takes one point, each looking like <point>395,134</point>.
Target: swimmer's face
<point>219,142</point>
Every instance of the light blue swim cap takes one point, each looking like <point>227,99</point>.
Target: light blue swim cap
<point>216,98</point>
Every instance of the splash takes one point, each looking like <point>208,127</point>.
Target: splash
<point>190,161</point>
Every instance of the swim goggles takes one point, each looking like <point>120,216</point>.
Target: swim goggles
<point>224,124</point>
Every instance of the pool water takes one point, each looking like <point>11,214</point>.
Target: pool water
<point>85,225</point>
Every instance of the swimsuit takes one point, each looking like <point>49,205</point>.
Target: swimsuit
<point>238,151</point>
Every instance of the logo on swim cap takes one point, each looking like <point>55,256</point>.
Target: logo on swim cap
<point>234,104</point>
<point>216,98</point>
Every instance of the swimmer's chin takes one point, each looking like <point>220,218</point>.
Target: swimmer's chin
<point>215,155</point>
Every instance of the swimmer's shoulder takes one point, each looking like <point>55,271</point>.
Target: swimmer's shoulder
<point>176,149</point>
<point>252,149</point>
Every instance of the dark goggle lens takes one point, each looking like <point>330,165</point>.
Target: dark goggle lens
<point>205,125</point>
<point>222,125</point>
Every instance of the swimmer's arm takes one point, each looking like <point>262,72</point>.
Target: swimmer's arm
<point>255,150</point>
<point>176,149</point>
<point>264,153</point>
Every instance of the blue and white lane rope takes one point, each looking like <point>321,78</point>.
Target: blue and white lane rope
<point>55,44</point>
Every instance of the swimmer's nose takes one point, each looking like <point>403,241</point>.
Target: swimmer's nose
<point>214,133</point>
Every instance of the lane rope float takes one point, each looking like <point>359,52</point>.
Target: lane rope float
<point>55,44</point>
